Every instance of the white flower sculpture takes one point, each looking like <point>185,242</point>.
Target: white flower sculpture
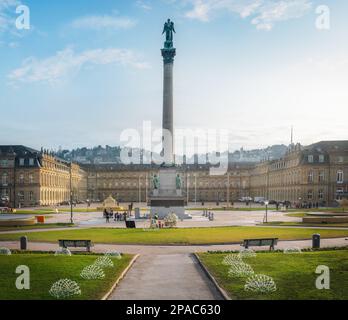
<point>63,252</point>
<point>240,270</point>
<point>92,272</point>
<point>114,254</point>
<point>5,252</point>
<point>171,220</point>
<point>64,289</point>
<point>247,253</point>
<point>104,262</point>
<point>292,250</point>
<point>260,283</point>
<point>231,258</point>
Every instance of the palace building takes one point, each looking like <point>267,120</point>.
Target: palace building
<point>33,178</point>
<point>312,175</point>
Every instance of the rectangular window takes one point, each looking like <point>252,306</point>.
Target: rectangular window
<point>21,195</point>
<point>340,159</point>
<point>340,176</point>
<point>339,193</point>
<point>31,162</point>
<point>4,163</point>
<point>31,179</point>
<point>21,178</point>
<point>310,159</point>
<point>31,196</point>
<point>321,194</point>
<point>311,177</point>
<point>21,162</point>
<point>321,158</point>
<point>4,179</point>
<point>321,176</point>
<point>310,195</point>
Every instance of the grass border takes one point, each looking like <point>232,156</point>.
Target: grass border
<point>212,279</point>
<point>123,274</point>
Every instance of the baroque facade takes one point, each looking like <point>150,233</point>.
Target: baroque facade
<point>133,183</point>
<point>317,174</point>
<point>33,178</point>
<point>313,175</point>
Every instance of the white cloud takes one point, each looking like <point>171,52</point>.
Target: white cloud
<point>67,62</point>
<point>95,22</point>
<point>264,13</point>
<point>7,15</point>
<point>143,5</point>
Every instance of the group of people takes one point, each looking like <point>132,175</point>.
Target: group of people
<point>109,214</point>
<point>209,215</point>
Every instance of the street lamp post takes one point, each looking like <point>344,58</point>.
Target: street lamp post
<point>196,189</point>
<point>71,196</point>
<point>266,217</point>
<point>139,184</point>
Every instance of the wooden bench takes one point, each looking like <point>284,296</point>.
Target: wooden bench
<point>76,244</point>
<point>271,242</point>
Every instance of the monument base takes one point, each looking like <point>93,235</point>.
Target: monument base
<point>163,212</point>
<point>168,199</point>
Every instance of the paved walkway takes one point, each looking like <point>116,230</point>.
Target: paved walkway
<point>169,250</point>
<point>166,277</point>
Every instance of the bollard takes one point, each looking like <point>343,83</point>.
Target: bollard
<point>316,241</point>
<point>24,243</point>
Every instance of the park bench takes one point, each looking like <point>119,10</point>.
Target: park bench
<point>76,244</point>
<point>271,242</point>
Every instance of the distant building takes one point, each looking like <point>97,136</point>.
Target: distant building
<point>313,175</point>
<point>317,174</point>
<point>37,178</point>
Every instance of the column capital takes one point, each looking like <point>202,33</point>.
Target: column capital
<point>168,55</point>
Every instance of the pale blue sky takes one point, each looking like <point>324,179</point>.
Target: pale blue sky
<point>88,69</point>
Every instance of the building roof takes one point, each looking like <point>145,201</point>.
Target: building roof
<point>18,150</point>
<point>340,145</point>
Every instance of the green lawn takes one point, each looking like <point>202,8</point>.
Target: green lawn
<point>232,209</point>
<point>297,215</point>
<point>38,226</point>
<point>181,236</point>
<point>53,211</point>
<point>301,224</point>
<point>294,275</point>
<point>34,212</point>
<point>45,269</point>
<point>329,210</point>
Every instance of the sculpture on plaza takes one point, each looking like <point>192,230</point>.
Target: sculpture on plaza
<point>156,182</point>
<point>178,182</point>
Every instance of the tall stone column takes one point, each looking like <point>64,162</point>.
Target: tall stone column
<point>168,55</point>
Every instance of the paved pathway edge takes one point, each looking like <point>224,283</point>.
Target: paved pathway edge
<point>211,278</point>
<point>123,274</point>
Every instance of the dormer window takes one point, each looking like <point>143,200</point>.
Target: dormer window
<point>21,162</point>
<point>31,162</point>
<point>321,158</point>
<point>310,158</point>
